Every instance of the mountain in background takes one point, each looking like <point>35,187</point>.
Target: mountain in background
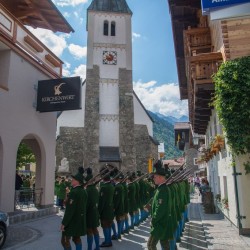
<point>172,119</point>
<point>163,130</point>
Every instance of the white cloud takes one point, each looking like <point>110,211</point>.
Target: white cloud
<point>63,3</point>
<point>163,99</point>
<point>66,69</point>
<point>56,43</point>
<point>66,14</point>
<point>76,14</point>
<point>80,71</point>
<point>77,51</point>
<point>136,35</point>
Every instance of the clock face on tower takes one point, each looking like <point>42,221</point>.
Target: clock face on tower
<point>109,57</point>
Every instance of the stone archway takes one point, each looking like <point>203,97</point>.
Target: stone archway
<point>44,171</point>
<point>1,162</point>
<point>31,191</point>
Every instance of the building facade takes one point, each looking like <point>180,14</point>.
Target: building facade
<point>203,41</point>
<point>24,60</point>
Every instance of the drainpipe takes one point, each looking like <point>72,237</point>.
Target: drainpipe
<point>235,174</point>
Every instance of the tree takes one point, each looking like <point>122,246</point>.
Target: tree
<point>24,155</point>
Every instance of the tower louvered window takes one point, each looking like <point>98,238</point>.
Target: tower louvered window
<point>112,28</point>
<point>106,28</point>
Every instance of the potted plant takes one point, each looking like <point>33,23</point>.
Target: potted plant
<point>224,202</point>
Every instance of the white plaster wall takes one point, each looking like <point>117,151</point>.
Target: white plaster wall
<point>72,118</point>
<point>109,98</point>
<point>141,117</point>
<point>18,119</point>
<point>109,111</point>
<point>219,167</point>
<point>243,189</point>
<point>109,135</point>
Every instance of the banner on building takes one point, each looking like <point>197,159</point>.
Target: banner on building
<point>209,5</point>
<point>59,94</point>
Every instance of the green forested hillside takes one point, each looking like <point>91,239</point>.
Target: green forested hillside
<point>164,132</point>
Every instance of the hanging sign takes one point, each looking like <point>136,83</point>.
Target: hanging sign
<point>59,94</point>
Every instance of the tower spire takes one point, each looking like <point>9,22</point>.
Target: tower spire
<point>119,6</point>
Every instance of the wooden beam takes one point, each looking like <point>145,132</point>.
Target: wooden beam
<point>52,60</point>
<point>33,44</point>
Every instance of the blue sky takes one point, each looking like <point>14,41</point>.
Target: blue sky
<point>155,78</point>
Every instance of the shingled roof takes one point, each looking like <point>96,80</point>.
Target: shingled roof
<point>119,6</point>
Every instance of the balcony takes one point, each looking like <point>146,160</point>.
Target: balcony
<point>197,41</point>
<point>203,66</point>
<point>17,37</point>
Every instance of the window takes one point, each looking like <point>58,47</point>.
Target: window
<point>112,28</point>
<point>5,58</point>
<point>106,28</point>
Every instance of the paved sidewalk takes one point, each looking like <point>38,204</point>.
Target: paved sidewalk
<point>210,231</point>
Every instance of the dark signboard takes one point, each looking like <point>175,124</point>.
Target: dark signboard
<point>59,94</point>
<point>208,5</point>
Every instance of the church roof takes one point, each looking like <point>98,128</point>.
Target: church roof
<point>119,6</point>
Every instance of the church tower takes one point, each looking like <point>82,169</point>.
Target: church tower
<point>109,106</point>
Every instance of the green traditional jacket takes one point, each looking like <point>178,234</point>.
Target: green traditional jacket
<point>137,195</point>
<point>74,219</point>
<point>131,198</point>
<point>182,196</point>
<point>177,201</point>
<point>125,189</point>
<point>119,200</point>
<point>149,191</point>
<point>93,217</point>
<point>142,196</point>
<point>106,206</point>
<point>174,222</point>
<point>161,213</point>
<point>61,193</point>
<point>56,188</point>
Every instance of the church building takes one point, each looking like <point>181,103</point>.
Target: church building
<point>113,126</point>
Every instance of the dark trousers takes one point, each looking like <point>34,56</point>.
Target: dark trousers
<point>152,242</point>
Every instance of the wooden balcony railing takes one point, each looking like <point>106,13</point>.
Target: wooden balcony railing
<point>197,41</point>
<point>21,39</point>
<point>203,66</point>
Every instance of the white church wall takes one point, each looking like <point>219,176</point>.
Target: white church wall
<point>141,117</point>
<point>109,136</point>
<point>109,99</point>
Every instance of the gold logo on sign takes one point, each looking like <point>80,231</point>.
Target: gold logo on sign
<point>57,88</point>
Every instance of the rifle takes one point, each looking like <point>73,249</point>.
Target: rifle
<point>184,175</point>
<point>140,177</point>
<point>92,180</point>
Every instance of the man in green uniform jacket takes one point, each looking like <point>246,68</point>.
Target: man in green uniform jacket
<point>160,212</point>
<point>131,200</point>
<point>93,217</point>
<point>74,220</point>
<point>118,205</point>
<point>106,208</point>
